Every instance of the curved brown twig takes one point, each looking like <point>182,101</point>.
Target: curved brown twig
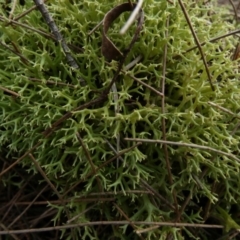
<point>109,50</point>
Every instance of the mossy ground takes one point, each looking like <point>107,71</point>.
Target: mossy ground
<point>188,181</point>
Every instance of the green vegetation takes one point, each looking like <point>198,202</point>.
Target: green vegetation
<point>192,113</point>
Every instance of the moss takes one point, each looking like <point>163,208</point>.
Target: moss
<point>189,116</point>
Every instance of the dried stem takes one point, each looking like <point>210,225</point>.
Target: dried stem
<point>234,9</point>
<point>6,229</point>
<point>124,71</point>
<point>90,161</point>
<point>9,91</point>
<point>224,109</point>
<point>14,3</point>
<point>49,82</point>
<point>64,201</point>
<point>19,159</point>
<point>23,212</point>
<point>164,134</point>
<point>95,28</point>
<point>69,114</point>
<point>192,145</point>
<point>97,223</point>
<point>50,130</point>
<point>100,167</point>
<point>23,14</point>
<point>132,17</point>
<point>197,42</point>
<point>80,214</point>
<point>126,52</point>
<point>127,218</point>
<point>28,27</point>
<point>145,184</point>
<point>24,60</point>
<point>38,167</point>
<point>50,22</point>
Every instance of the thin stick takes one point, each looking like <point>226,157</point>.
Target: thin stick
<point>157,194</point>
<point>235,128</point>
<point>69,114</point>
<point>215,39</point>
<point>132,17</point>
<point>144,183</point>
<point>230,235</point>
<point>234,9</point>
<point>19,159</point>
<point>238,7</point>
<point>119,192</point>
<point>49,20</point>
<point>49,82</point>
<point>12,235</point>
<point>197,42</point>
<point>224,109</point>
<point>116,109</point>
<point>192,145</point>
<point>24,13</point>
<point>47,213</point>
<point>51,129</point>
<point>236,52</point>
<point>164,134</point>
<point>90,161</point>
<point>13,9</point>
<point>24,60</point>
<point>23,212</point>
<point>127,218</point>
<point>83,212</point>
<point>99,223</point>
<point>144,84</point>
<point>133,63</point>
<point>126,52</point>
<point>198,225</point>
<point>141,82</point>
<point>38,167</point>
<point>189,197</point>
<point>59,202</point>
<point>9,91</point>
<point>11,203</point>
<point>28,27</point>
<point>100,167</point>
<point>95,28</point>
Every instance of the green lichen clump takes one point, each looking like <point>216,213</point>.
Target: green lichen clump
<point>189,112</point>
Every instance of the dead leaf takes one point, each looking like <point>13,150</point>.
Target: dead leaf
<point>109,50</point>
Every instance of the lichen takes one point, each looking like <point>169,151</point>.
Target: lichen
<point>189,116</point>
